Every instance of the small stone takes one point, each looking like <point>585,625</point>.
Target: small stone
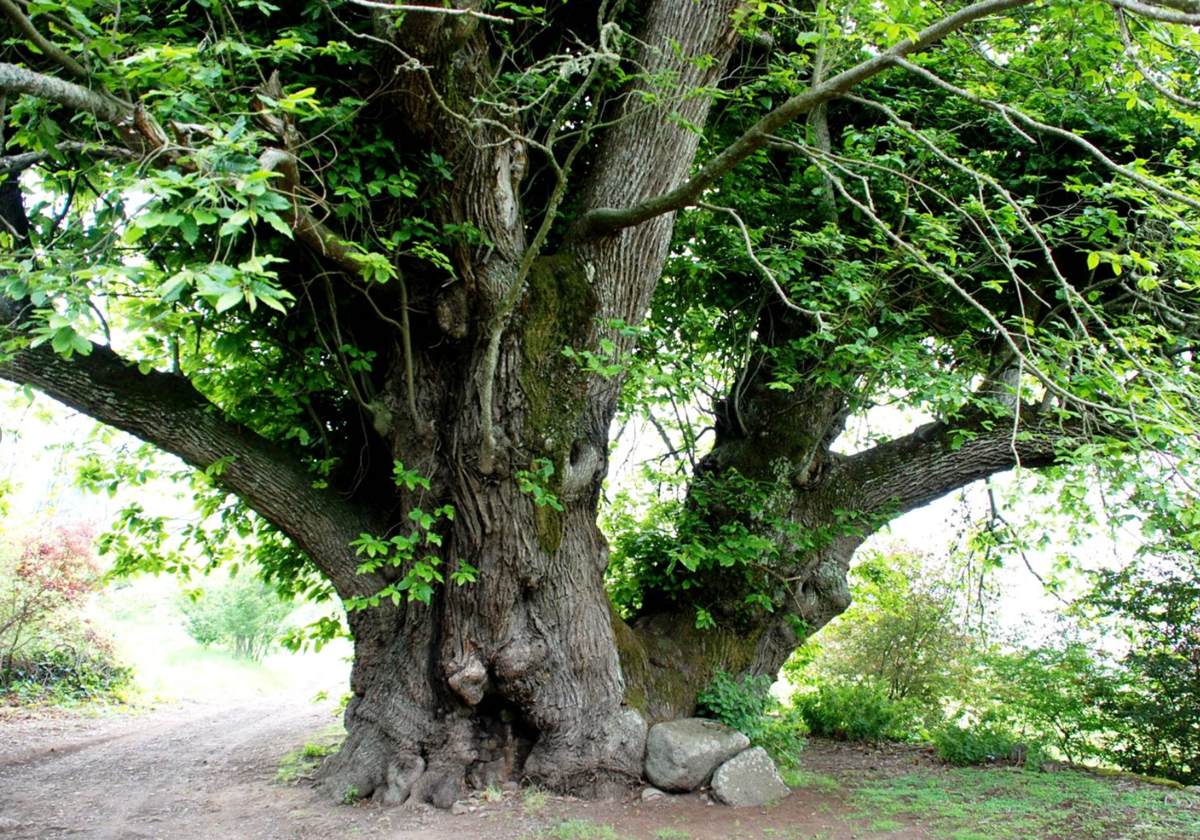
<point>652,794</point>
<point>460,807</point>
<point>509,787</point>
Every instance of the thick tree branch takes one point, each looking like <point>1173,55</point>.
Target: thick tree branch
<point>938,458</point>
<point>20,162</point>
<point>607,220</point>
<point>165,410</point>
<point>1187,13</point>
<point>14,79</point>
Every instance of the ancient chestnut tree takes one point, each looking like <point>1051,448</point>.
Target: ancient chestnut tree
<point>385,275</point>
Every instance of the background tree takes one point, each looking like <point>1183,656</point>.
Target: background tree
<point>48,647</point>
<point>243,613</point>
<point>904,632</point>
<point>332,255</point>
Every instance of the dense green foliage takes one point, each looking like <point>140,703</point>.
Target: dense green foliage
<point>1153,706</point>
<point>65,675</point>
<point>855,712</point>
<point>904,632</point>
<point>1116,686</point>
<point>982,742</point>
<point>1055,693</point>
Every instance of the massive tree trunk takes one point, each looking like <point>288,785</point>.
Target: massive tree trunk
<point>527,673</point>
<point>517,675</point>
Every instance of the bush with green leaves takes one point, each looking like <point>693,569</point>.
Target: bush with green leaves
<point>904,637</point>
<point>1056,694</point>
<point>244,614</point>
<point>68,674</point>
<point>985,741</point>
<point>849,711</point>
<point>742,704</point>
<point>1153,709</point>
<point>748,706</point>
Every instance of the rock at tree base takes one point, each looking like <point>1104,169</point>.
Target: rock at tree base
<point>749,780</point>
<point>681,755</point>
<point>652,794</point>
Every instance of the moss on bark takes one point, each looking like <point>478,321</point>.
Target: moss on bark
<point>666,666</point>
<point>558,311</point>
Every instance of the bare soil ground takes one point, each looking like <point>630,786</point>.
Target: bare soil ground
<point>206,771</point>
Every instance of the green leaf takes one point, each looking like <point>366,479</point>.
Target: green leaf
<point>228,301</point>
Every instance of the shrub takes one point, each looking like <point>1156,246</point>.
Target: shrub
<point>855,712</point>
<point>1056,693</point>
<point>1153,709</point>
<point>989,740</point>
<point>784,736</point>
<point>68,674</point>
<point>903,634</point>
<point>742,704</point>
<point>44,578</point>
<point>747,705</point>
<point>48,652</point>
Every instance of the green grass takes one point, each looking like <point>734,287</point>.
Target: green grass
<point>810,780</point>
<point>974,804</point>
<point>672,834</point>
<point>534,799</point>
<point>583,830</point>
<point>302,762</point>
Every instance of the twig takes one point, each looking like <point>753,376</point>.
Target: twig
<point>815,314</point>
<point>437,10</point>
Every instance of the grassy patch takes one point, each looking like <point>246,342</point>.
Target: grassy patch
<point>672,834</point>
<point>973,804</point>
<point>810,780</point>
<point>301,763</point>
<point>583,830</point>
<point>534,799</point>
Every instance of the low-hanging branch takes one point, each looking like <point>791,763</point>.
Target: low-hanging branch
<point>166,410</point>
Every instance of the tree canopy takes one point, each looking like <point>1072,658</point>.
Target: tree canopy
<point>385,274</point>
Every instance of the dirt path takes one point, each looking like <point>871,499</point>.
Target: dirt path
<point>178,773</point>
<point>206,772</point>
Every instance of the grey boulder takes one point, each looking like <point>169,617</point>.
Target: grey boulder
<point>681,755</point>
<point>749,780</point>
